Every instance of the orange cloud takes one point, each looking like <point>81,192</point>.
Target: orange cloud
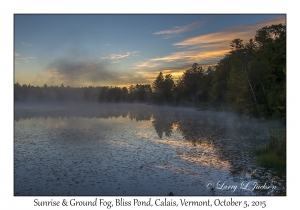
<point>191,56</point>
<point>244,32</point>
<point>148,64</point>
<point>212,47</point>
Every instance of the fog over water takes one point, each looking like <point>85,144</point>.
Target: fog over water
<point>138,149</point>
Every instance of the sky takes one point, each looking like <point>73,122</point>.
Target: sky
<point>121,50</point>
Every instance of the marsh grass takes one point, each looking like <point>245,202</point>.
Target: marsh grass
<point>273,155</point>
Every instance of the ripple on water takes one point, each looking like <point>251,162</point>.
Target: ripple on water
<point>79,155</point>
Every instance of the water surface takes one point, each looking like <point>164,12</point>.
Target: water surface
<point>138,149</point>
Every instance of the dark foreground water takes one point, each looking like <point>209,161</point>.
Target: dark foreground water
<point>131,149</point>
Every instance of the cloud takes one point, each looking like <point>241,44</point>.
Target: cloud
<point>210,48</point>
<point>135,53</point>
<point>223,38</point>
<point>148,76</point>
<point>205,49</point>
<point>184,58</point>
<point>27,44</point>
<point>18,59</point>
<point>141,77</point>
<point>85,74</point>
<point>177,71</point>
<point>191,56</point>
<point>119,56</point>
<point>148,64</point>
<point>77,68</point>
<point>116,56</point>
<point>177,30</point>
<point>76,72</point>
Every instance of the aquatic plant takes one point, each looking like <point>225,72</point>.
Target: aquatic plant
<point>273,155</point>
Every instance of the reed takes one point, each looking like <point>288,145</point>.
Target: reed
<point>273,155</point>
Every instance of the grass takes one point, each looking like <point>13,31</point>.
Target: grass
<point>274,154</point>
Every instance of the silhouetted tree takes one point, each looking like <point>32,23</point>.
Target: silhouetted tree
<point>163,87</point>
<point>190,83</point>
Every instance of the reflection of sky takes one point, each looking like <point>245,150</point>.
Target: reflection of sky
<point>83,50</point>
<point>204,154</point>
<point>136,145</point>
<point>201,152</point>
<point>173,153</point>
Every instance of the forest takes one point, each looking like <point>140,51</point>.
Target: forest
<point>250,79</point>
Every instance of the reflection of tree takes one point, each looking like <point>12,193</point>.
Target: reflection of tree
<point>105,111</point>
<point>139,115</point>
<point>162,126</point>
<point>84,110</point>
<point>211,130</point>
<point>230,137</point>
<point>196,131</point>
<point>163,123</point>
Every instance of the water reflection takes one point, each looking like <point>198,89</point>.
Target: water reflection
<point>29,111</point>
<point>163,123</point>
<point>219,141</point>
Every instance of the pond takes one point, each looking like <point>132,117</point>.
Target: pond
<point>139,149</point>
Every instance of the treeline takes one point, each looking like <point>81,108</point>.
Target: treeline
<point>137,93</point>
<point>250,79</point>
